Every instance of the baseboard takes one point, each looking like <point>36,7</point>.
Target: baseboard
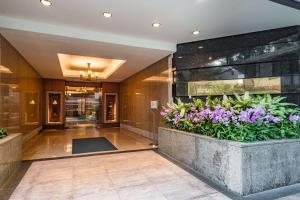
<point>31,134</point>
<point>138,131</point>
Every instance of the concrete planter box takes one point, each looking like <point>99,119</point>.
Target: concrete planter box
<point>10,156</point>
<point>242,168</point>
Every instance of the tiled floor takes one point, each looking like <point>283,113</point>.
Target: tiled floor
<point>58,143</point>
<point>136,175</point>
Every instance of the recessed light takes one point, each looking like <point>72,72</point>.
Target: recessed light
<point>46,2</point>
<point>180,57</point>
<point>209,58</point>
<point>200,47</point>
<point>156,24</point>
<point>107,14</point>
<point>196,32</point>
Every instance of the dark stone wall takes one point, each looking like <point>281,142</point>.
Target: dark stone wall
<point>267,53</point>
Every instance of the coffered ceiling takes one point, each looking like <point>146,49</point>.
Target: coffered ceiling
<point>78,27</point>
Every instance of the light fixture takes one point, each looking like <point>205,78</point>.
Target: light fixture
<point>54,102</point>
<point>156,24</point>
<point>196,32</point>
<point>180,57</point>
<point>107,14</point>
<point>32,102</point>
<point>200,47</point>
<point>88,75</point>
<point>46,2</point>
<point>209,58</point>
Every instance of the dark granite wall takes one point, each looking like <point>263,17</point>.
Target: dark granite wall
<point>254,55</point>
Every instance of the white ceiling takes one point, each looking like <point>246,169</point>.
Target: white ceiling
<point>78,27</point>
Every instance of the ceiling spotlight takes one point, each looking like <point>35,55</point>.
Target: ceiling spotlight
<point>46,2</point>
<point>107,14</point>
<point>156,24</point>
<point>196,32</point>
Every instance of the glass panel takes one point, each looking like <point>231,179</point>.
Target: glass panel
<point>111,107</point>
<point>219,87</point>
<point>82,105</point>
<point>54,108</point>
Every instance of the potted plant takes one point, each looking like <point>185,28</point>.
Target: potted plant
<point>3,133</point>
<point>246,144</point>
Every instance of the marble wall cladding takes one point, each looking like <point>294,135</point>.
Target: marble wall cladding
<point>10,156</point>
<point>136,93</point>
<point>271,53</point>
<point>20,91</point>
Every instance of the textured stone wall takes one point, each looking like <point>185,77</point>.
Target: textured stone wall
<point>242,168</point>
<point>10,156</point>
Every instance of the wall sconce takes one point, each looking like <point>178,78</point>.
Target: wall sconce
<point>32,102</point>
<point>54,102</point>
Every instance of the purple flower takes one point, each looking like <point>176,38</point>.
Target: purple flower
<point>269,118</point>
<point>176,119</point>
<point>294,118</point>
<point>252,115</point>
<point>196,120</point>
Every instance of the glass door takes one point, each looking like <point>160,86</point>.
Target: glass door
<point>82,106</point>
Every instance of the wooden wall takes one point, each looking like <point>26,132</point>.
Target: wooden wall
<point>20,93</point>
<point>138,91</point>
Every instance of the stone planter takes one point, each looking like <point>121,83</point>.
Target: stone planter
<point>10,156</point>
<point>242,168</point>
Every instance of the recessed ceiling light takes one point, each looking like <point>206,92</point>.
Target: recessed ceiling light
<point>180,57</point>
<point>107,14</point>
<point>46,2</point>
<point>210,58</point>
<point>196,32</point>
<point>156,24</point>
<point>200,47</point>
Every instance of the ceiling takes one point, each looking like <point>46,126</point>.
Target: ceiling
<point>77,27</point>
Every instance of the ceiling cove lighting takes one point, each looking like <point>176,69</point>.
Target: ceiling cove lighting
<point>107,14</point>
<point>46,2</point>
<point>156,24</point>
<point>196,32</point>
<point>290,3</point>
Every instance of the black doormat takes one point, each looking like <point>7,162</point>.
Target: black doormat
<point>87,145</point>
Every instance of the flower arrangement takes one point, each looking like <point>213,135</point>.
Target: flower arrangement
<point>245,118</point>
<point>3,133</point>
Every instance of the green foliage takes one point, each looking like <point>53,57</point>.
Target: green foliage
<point>244,118</point>
<point>3,133</point>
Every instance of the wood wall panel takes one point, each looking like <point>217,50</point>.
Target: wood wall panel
<point>20,92</point>
<point>138,91</point>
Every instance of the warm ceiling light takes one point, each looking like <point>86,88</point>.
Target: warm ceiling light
<point>46,2</point>
<point>156,24</point>
<point>196,32</point>
<point>107,14</point>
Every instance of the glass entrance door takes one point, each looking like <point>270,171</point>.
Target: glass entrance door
<point>82,106</point>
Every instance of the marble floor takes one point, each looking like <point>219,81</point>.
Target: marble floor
<point>136,175</point>
<point>58,143</point>
<point>142,175</point>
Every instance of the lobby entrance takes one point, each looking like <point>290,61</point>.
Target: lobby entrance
<point>82,106</point>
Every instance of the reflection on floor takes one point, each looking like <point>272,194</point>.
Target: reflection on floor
<point>136,175</point>
<point>58,143</point>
